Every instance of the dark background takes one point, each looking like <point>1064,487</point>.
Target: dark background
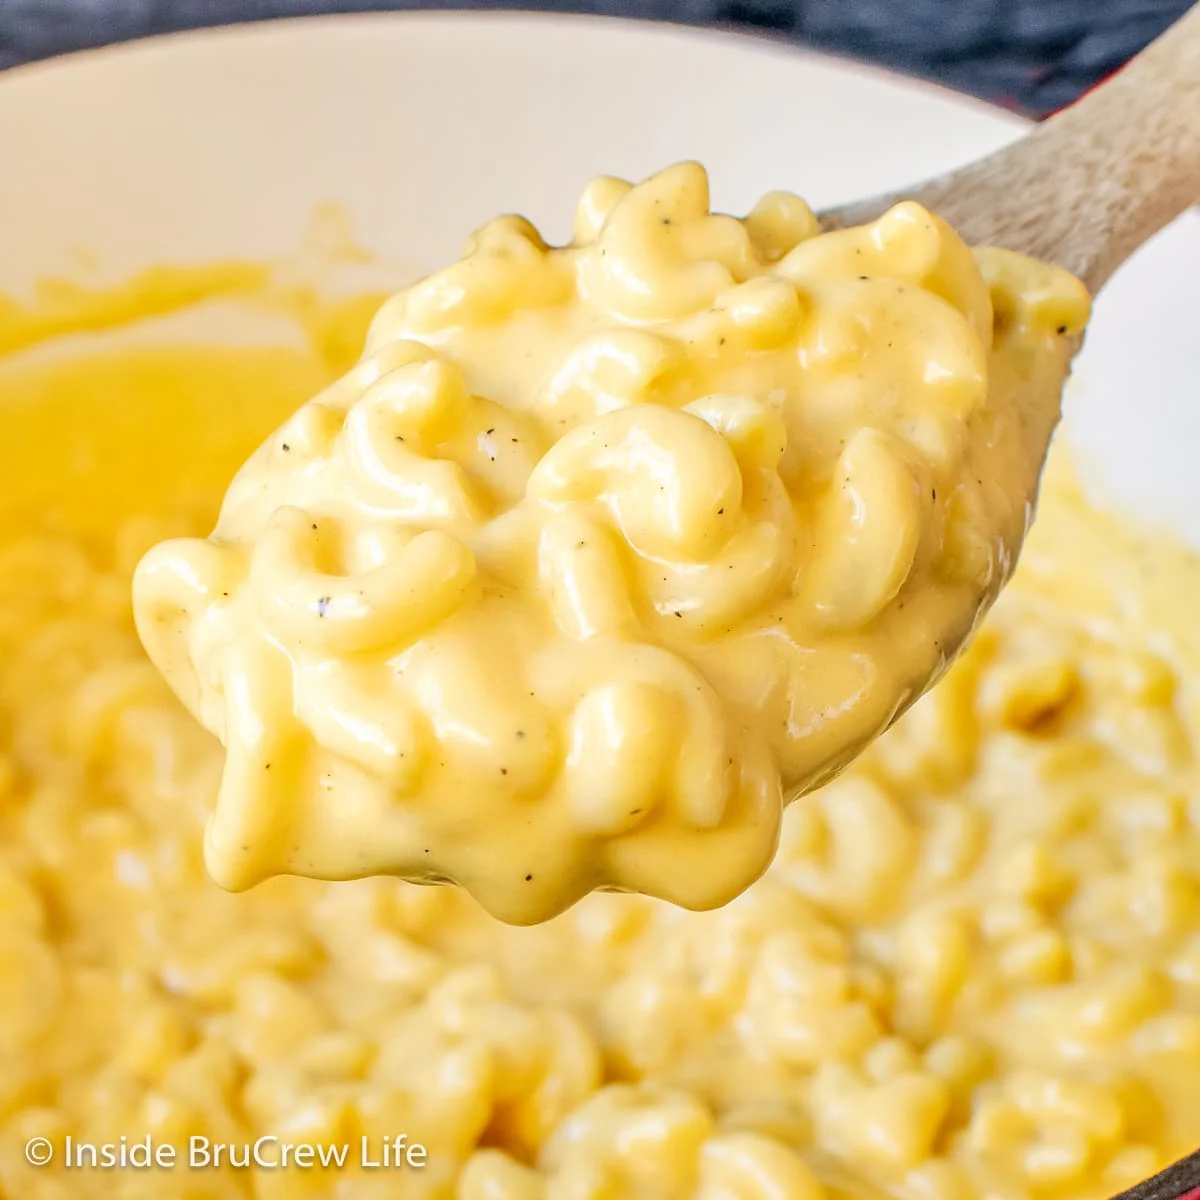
<point>1034,56</point>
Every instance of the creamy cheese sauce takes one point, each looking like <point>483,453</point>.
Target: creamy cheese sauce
<point>602,554</point>
<point>973,969</point>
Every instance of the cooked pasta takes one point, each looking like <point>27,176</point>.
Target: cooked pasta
<point>972,971</point>
<point>602,554</point>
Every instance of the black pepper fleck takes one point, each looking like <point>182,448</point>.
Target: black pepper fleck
<point>503,770</point>
<point>1062,329</point>
<point>323,605</point>
<point>286,447</point>
<point>528,878</point>
<point>720,512</point>
<point>490,431</point>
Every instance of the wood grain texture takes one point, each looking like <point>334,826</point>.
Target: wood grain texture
<point>1089,186</point>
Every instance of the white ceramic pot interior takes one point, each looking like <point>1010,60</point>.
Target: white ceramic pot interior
<point>220,144</point>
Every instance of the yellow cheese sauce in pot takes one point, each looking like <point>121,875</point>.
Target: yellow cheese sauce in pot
<point>972,970</point>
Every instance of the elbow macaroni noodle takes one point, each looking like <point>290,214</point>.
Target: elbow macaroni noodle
<point>601,554</point>
<point>972,971</point>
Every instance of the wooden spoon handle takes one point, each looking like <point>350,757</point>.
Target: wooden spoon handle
<point>1087,187</point>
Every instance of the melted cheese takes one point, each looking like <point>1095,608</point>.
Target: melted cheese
<point>971,972</point>
<point>600,555</point>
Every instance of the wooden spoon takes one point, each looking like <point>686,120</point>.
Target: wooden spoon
<point>1087,187</point>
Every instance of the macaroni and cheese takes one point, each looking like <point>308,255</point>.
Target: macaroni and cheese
<point>971,973</point>
<point>602,554</point>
